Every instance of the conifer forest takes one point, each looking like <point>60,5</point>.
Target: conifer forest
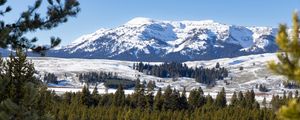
<point>149,69</point>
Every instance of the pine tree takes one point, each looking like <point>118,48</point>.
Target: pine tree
<point>217,65</point>
<point>158,100</point>
<point>209,100</point>
<point>289,52</point>
<point>264,102</point>
<point>13,33</point>
<point>234,99</point>
<point>193,99</point>
<point>85,96</point>
<point>150,86</point>
<point>196,98</point>
<point>150,100</point>
<point>290,95</point>
<point>289,64</point>
<point>95,91</point>
<point>174,101</point>
<point>50,78</point>
<point>20,90</point>
<point>119,97</point>
<point>242,100</point>
<point>167,98</point>
<point>21,94</point>
<point>221,99</point>
<point>183,100</point>
<point>95,96</point>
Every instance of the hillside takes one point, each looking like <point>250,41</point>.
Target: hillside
<point>145,39</point>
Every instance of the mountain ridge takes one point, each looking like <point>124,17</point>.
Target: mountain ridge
<point>145,39</point>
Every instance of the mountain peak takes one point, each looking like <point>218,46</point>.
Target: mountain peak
<point>140,21</point>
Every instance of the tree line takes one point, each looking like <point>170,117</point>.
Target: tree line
<point>110,79</point>
<point>166,104</point>
<point>50,78</point>
<point>175,70</point>
<point>23,96</point>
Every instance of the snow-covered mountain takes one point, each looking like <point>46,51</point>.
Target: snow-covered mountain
<point>144,39</point>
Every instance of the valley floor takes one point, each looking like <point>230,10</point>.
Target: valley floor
<point>254,72</point>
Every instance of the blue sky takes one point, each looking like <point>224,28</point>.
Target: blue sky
<point>96,14</point>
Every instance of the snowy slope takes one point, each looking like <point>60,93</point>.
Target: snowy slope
<point>255,72</point>
<point>156,40</point>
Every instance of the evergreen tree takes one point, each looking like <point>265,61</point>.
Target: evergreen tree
<point>50,78</point>
<point>20,90</point>
<point>250,98</point>
<point>290,95</point>
<point>139,98</point>
<point>289,63</point>
<point>119,97</point>
<point>174,101</point>
<point>193,99</point>
<point>264,102</point>
<point>234,99</point>
<point>149,100</point>
<point>95,96</point>
<point>221,99</point>
<point>21,94</point>
<point>138,85</point>
<point>13,33</point>
<point>242,100</point>
<point>289,54</point>
<point>95,91</point>
<point>150,86</point>
<point>167,98</point>
<point>209,100</point>
<point>196,98</point>
<point>183,104</point>
<point>158,100</point>
<point>85,96</point>
<point>218,65</point>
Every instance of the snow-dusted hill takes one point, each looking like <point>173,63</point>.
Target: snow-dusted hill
<point>144,39</point>
<point>254,72</point>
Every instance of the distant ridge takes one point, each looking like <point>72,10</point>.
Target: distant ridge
<point>145,39</point>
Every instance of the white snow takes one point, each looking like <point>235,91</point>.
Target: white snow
<point>169,36</point>
<point>140,21</point>
<point>254,72</point>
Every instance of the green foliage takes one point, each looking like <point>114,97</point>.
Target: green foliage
<point>85,97</point>
<point>175,70</point>
<point>263,88</point>
<point>110,79</point>
<point>234,99</point>
<point>288,65</point>
<point>21,91</point>
<point>119,97</point>
<point>289,53</point>
<point>114,83</point>
<point>196,98</point>
<point>290,112</point>
<point>30,20</point>
<point>221,99</point>
<point>158,100</point>
<point>169,104</point>
<point>50,78</point>
<point>22,96</point>
<point>173,109</point>
<point>151,86</point>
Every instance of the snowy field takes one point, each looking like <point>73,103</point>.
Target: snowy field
<point>254,72</point>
